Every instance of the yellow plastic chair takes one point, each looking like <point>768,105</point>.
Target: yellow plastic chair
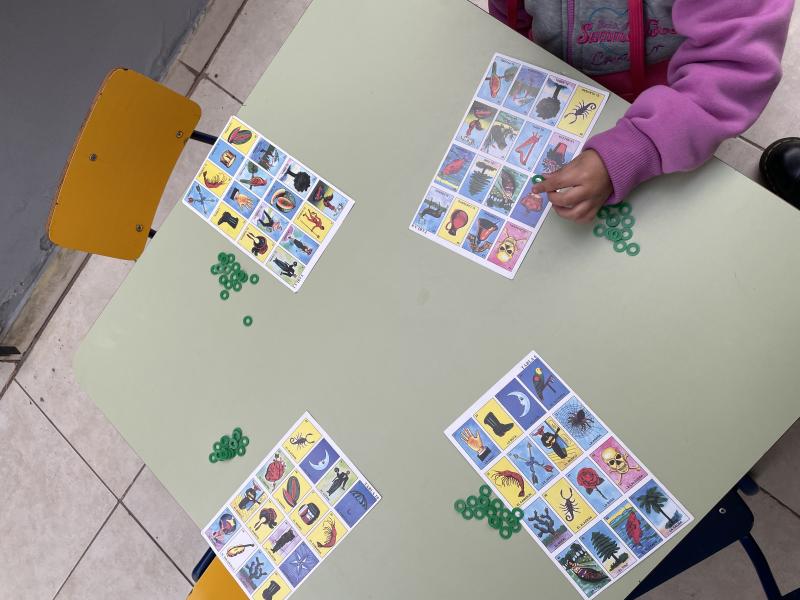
<point>214,582</point>
<point>120,163</point>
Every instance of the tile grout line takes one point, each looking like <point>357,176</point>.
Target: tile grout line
<point>751,143</point>
<point>70,444</point>
<point>780,502</point>
<point>153,539</point>
<point>80,558</point>
<point>21,362</point>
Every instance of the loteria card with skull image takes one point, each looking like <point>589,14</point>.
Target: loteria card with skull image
<point>588,501</point>
<point>290,513</point>
<point>520,122</point>
<point>267,204</point>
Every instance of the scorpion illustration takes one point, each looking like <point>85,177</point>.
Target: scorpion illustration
<point>568,506</point>
<point>581,111</point>
<point>301,441</point>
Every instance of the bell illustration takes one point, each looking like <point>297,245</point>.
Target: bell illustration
<point>272,589</point>
<point>458,219</point>
<point>485,229</point>
<point>500,429</point>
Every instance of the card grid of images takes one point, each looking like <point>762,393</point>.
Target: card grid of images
<point>282,214</point>
<point>588,501</point>
<point>522,121</point>
<point>290,513</point>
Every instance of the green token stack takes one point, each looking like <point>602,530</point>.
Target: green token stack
<point>232,277</point>
<point>229,446</point>
<point>498,517</point>
<point>617,227</point>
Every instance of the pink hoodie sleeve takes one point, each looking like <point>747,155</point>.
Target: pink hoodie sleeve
<point>719,81</point>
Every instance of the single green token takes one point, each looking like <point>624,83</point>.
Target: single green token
<point>633,249</point>
<point>505,532</point>
<point>244,441</point>
<point>254,279</point>
<point>603,212</point>
<point>518,513</point>
<point>212,458</point>
<point>224,294</point>
<point>215,269</point>
<point>497,504</point>
<point>467,513</point>
<point>459,505</point>
<point>233,444</point>
<point>624,208</point>
<point>613,234</point>
<point>217,446</point>
<point>484,501</point>
<point>241,451</point>
<point>495,522</point>
<point>485,491</point>
<point>472,501</point>
<point>599,230</point>
<point>516,527</point>
<point>479,513</point>
<point>612,220</point>
<point>505,514</point>
<point>230,257</point>
<point>248,320</point>
<point>228,284</point>
<point>490,510</point>
<point>627,233</point>
<point>221,257</point>
<point>242,276</point>
<point>223,279</point>
<point>628,221</point>
<point>237,433</point>
<point>620,246</point>
<point>538,179</point>
<point>236,286</point>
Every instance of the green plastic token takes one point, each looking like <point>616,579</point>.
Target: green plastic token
<point>538,179</point>
<point>518,513</point>
<point>484,501</point>
<point>215,269</point>
<point>236,286</point>
<point>236,433</point>
<point>221,257</point>
<point>612,220</point>
<point>244,441</point>
<point>490,511</point>
<point>613,234</point>
<point>627,233</point>
<point>516,527</point>
<point>472,501</point>
<point>223,279</point>
<point>599,230</point>
<point>485,491</point>
<point>505,532</point>
<point>603,212</point>
<point>479,513</point>
<point>241,451</point>
<point>628,221</point>
<point>228,284</point>
<point>254,279</point>
<point>505,514</point>
<point>497,504</point>
<point>230,257</point>
<point>633,249</point>
<point>248,320</point>
<point>459,505</point>
<point>242,276</point>
<point>620,246</point>
<point>624,208</point>
<point>495,522</point>
<point>212,458</point>
<point>467,513</point>
<point>224,294</point>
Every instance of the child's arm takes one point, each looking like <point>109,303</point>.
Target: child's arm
<point>720,80</point>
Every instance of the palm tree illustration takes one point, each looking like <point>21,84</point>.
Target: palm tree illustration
<point>653,501</point>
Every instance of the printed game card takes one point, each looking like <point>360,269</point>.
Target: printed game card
<point>588,501</point>
<point>522,121</point>
<point>266,202</point>
<point>290,513</point>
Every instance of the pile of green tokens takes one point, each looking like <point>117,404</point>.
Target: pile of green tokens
<point>483,506</point>
<point>229,446</point>
<point>617,227</point>
<point>232,277</point>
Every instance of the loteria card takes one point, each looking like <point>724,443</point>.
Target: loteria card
<point>290,513</point>
<point>266,202</point>
<point>591,505</point>
<point>522,122</point>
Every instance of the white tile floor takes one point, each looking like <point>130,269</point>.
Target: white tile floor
<point>107,516</point>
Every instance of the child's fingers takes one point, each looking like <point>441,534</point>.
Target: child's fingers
<point>567,198</point>
<point>582,212</point>
<point>555,181</point>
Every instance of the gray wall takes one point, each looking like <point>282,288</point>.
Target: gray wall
<point>53,56</point>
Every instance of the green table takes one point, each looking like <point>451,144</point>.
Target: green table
<point>687,351</point>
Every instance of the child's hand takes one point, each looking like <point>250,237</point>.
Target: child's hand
<point>585,184</point>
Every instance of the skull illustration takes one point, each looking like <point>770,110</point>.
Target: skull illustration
<point>616,460</point>
<point>506,249</point>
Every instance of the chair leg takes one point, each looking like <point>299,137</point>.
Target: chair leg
<point>748,486</point>
<point>206,138</point>
<point>152,233</point>
<point>762,567</point>
<point>9,350</point>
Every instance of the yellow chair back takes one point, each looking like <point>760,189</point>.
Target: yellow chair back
<point>216,583</point>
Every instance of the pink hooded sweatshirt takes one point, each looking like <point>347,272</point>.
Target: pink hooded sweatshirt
<point>724,66</point>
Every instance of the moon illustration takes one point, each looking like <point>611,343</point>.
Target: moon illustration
<point>523,400</point>
<point>322,465</point>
